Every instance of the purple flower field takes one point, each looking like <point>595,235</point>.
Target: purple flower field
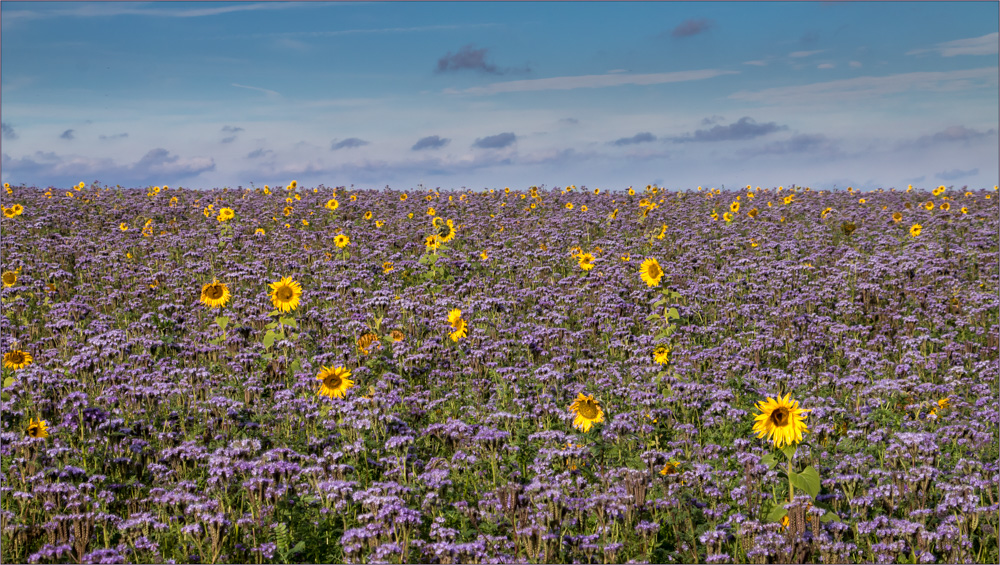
<point>499,376</point>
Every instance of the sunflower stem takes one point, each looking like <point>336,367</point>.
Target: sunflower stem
<point>791,489</point>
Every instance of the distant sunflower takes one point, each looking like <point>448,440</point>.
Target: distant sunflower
<point>728,217</point>
<point>583,207</point>
<point>457,324</point>
<point>403,197</point>
<point>366,341</point>
<point>484,255</point>
<point>397,335</point>
<point>287,211</point>
<point>569,205</point>
<point>588,412</point>
<point>368,215</point>
<point>9,278</point>
<point>446,231</point>
<point>16,359</point>
<point>388,267</point>
<point>215,294</point>
<point>781,420</point>
<point>929,205</point>
<point>897,217</point>
<point>670,468</point>
<point>259,231</point>
<point>651,272</point>
<point>37,428</point>
<point>341,241</point>
<point>332,204</point>
<point>586,261</point>
<point>915,230</point>
<point>226,214</point>
<point>752,213</point>
<point>285,294</point>
<point>945,206</point>
<point>123,226</point>
<point>965,210</point>
<point>661,355</point>
<point>734,207</point>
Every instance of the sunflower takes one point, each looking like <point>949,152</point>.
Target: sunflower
<point>431,211</point>
<point>335,381</point>
<point>403,197</point>
<point>368,215</point>
<point>432,242</point>
<point>965,210</point>
<point>651,272</point>
<point>457,324</point>
<point>287,211</point>
<point>627,257</point>
<point>226,214</point>
<point>259,231</point>
<point>734,207</point>
<point>484,255</point>
<point>661,355</point>
<point>215,294</point>
<point>341,241</point>
<point>37,428</point>
<point>929,205</point>
<point>16,359</point>
<point>583,207</point>
<point>387,267</point>
<point>285,294</point>
<point>366,341</point>
<point>569,205</point>
<point>588,412</point>
<point>752,213</point>
<point>663,232</point>
<point>937,191</point>
<point>915,230</point>
<point>397,335</point>
<point>9,278</point>
<point>862,201</point>
<point>586,261</point>
<point>945,206</point>
<point>8,212</point>
<point>631,191</point>
<point>782,421</point>
<point>332,204</point>
<point>670,468</point>
<point>123,226</point>
<point>897,217</point>
<point>446,231</point>
<point>728,217</point>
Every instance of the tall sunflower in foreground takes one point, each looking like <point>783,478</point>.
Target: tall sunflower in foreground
<point>782,421</point>
<point>38,428</point>
<point>285,294</point>
<point>215,294</point>
<point>335,381</point>
<point>588,412</point>
<point>457,324</point>
<point>16,359</point>
<point>651,272</point>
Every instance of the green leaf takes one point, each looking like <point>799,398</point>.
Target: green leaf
<point>769,460</point>
<point>789,451</point>
<point>289,321</point>
<point>301,546</point>
<point>296,366</point>
<point>222,321</point>
<point>274,313</point>
<point>271,325</point>
<point>660,302</point>
<point>673,314</point>
<point>267,356</point>
<point>8,382</point>
<point>268,339</point>
<point>293,336</point>
<point>807,481</point>
<point>829,517</point>
<point>215,341</point>
<point>777,513</point>
<point>4,396</point>
<point>652,317</point>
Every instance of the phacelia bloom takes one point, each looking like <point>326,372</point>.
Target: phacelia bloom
<point>215,294</point>
<point>285,294</point>
<point>588,412</point>
<point>781,421</point>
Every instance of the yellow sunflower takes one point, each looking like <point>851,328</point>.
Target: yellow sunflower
<point>446,231</point>
<point>586,261</point>
<point>259,231</point>
<point>16,359</point>
<point>403,197</point>
<point>569,205</point>
<point>588,412</point>
<point>734,207</point>
<point>8,212</point>
<point>226,214</point>
<point>368,215</point>
<point>945,206</point>
<point>335,381</point>
<point>387,267</point>
<point>457,324</point>
<point>661,355</point>
<point>332,204</point>
<point>929,205</point>
<point>215,294</point>
<point>123,226</point>
<point>965,210</point>
<point>782,421</point>
<point>366,341</point>
<point>670,468</point>
<point>285,294</point>
<point>432,242</point>
<point>915,230</point>
<point>37,428</point>
<point>897,217</point>
<point>9,278</point>
<point>651,272</point>
<point>484,255</point>
<point>341,241</point>
<point>728,217</point>
<point>397,335</point>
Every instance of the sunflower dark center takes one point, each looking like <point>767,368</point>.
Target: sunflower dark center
<point>9,278</point>
<point>34,430</point>
<point>17,357</point>
<point>588,410</point>
<point>215,291</point>
<point>654,271</point>
<point>284,293</point>
<point>332,381</point>
<point>779,417</point>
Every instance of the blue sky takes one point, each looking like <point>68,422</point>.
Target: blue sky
<point>610,95</point>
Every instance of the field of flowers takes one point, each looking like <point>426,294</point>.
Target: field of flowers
<point>323,375</point>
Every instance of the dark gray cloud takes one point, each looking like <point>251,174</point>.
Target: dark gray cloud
<point>229,139</point>
<point>745,128</point>
<point>692,27</point>
<point>642,137</point>
<point>68,134</point>
<point>113,136</point>
<point>956,174</point>
<point>348,143</point>
<point>467,58</point>
<point>711,120</point>
<point>497,141</point>
<point>231,129</point>
<point>430,142</point>
<point>258,153</point>
<point>155,167</point>
<point>8,131</point>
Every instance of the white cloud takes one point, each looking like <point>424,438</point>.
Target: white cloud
<point>106,9</point>
<point>270,93</point>
<point>855,64</point>
<point>590,81</point>
<point>758,63</point>
<point>825,66</point>
<point>800,54</point>
<point>983,45</point>
<point>871,87</point>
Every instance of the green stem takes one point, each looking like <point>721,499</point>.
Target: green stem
<point>791,489</point>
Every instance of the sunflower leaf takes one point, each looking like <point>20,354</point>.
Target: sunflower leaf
<point>268,340</point>
<point>8,382</point>
<point>271,325</point>
<point>829,517</point>
<point>222,321</point>
<point>777,513</point>
<point>653,317</point>
<point>660,302</point>
<point>807,480</point>
<point>672,314</point>
<point>769,460</point>
<point>289,321</point>
<point>789,451</point>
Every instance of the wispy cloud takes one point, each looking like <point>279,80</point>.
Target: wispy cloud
<point>112,136</point>
<point>270,93</point>
<point>430,142</point>
<point>953,134</point>
<point>8,131</point>
<point>497,141</point>
<point>745,128</point>
<point>983,45</point>
<point>590,81</point>
<point>692,27</point>
<point>956,174</point>
<point>339,32</point>
<point>642,137</point>
<point>467,58</point>
<point>801,54</point>
<point>348,143</point>
<point>872,87</point>
<point>156,165</point>
<point>802,143</point>
<point>106,9</point>
<point>68,134</point>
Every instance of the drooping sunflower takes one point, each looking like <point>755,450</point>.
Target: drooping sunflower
<point>335,381</point>
<point>397,335</point>
<point>366,341</point>
<point>651,272</point>
<point>782,421</point>
<point>457,324</point>
<point>586,261</point>
<point>16,359</point>
<point>588,412</point>
<point>915,230</point>
<point>9,278</point>
<point>285,294</point>
<point>215,294</point>
<point>37,428</point>
<point>446,231</point>
<point>341,241</point>
<point>661,355</point>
